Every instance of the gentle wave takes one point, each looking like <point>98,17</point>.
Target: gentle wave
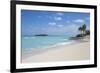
<point>41,49</point>
<point>59,44</point>
<point>29,37</point>
<point>54,45</point>
<point>43,42</point>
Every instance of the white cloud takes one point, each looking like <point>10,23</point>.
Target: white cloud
<point>60,25</point>
<point>58,18</point>
<point>73,28</point>
<point>52,23</point>
<point>79,21</point>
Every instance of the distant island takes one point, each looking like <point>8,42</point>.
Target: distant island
<point>41,35</point>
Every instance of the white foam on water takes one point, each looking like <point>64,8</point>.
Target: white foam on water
<point>29,37</point>
<point>59,44</point>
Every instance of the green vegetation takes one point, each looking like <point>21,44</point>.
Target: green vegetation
<point>83,31</point>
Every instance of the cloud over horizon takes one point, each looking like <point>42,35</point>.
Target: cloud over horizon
<point>53,23</point>
<point>79,21</point>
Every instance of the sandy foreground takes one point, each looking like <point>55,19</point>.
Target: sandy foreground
<point>76,51</point>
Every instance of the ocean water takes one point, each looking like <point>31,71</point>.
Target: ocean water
<point>38,42</point>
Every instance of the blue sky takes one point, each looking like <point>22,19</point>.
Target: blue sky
<point>52,23</point>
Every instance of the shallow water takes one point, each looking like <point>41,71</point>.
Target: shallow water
<point>38,42</point>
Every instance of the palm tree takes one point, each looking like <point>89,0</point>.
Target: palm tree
<point>80,29</point>
<point>84,29</point>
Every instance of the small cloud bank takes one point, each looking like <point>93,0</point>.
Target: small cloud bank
<point>79,21</point>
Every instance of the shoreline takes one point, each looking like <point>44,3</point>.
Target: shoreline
<point>51,46</point>
<point>74,51</point>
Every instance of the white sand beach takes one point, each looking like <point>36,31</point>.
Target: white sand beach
<point>70,52</point>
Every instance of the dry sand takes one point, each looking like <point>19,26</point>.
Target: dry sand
<point>76,51</point>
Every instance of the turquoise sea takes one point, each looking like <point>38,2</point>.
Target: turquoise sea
<point>30,43</point>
